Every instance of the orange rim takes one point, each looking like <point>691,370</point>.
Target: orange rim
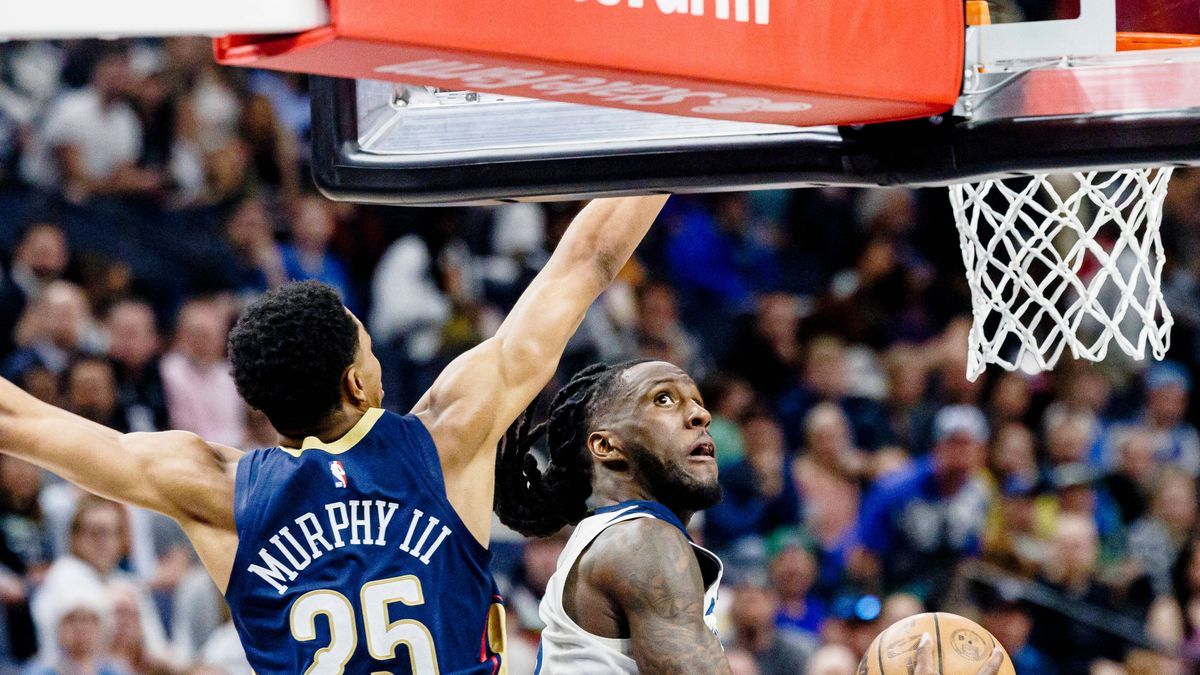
<point>1128,42</point>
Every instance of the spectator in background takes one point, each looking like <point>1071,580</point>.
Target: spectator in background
<point>223,653</point>
<point>271,153</point>
<point>827,473</point>
<point>1013,455</point>
<point>701,255</point>
<point>759,493</point>
<point>832,660</point>
<point>78,620</point>
<point>133,344</point>
<point>407,317</point>
<point>1077,490</point>
<point>41,383</point>
<point>753,613</point>
<point>1010,621</point>
<point>1070,571</point>
<point>91,392</point>
<point>256,264</point>
<point>862,302</point>
<point>90,140</point>
<point>702,262</point>
<point>1183,606</point>
<point>741,662</point>
<point>40,258</point>
<point>909,410</point>
<point>24,556</point>
<point>854,620</point>
<point>201,395</point>
<point>826,378</point>
<point>1069,439</point>
<point>1168,386</point>
<point>1132,478</point>
<point>729,399</point>
<point>519,251</point>
<point>1155,542</point>
<point>765,348</point>
<point>1011,400</point>
<point>198,610</point>
<point>53,329</point>
<point>539,559</point>
<point>308,255</point>
<point>99,541</point>
<point>792,567</point>
<point>899,606</point>
<point>128,646</point>
<point>658,323</point>
<point>1018,532</point>
<point>1084,395</point>
<point>918,524</point>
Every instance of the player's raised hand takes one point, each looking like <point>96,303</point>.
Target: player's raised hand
<point>925,660</point>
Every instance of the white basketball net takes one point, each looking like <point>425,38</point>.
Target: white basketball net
<point>1056,264</point>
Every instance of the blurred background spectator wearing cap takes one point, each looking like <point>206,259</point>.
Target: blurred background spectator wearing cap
<point>918,524</point>
<point>1168,389</point>
<point>79,619</point>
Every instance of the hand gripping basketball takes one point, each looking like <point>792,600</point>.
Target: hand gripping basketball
<point>927,664</point>
<point>935,644</point>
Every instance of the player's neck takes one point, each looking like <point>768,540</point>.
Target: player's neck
<point>331,428</point>
<point>607,491</point>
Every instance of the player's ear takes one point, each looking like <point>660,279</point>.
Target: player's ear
<point>604,446</point>
<point>354,387</point>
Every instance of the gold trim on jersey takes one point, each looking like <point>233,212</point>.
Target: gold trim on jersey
<point>351,438</point>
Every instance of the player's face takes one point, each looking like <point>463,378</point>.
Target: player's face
<point>368,367</point>
<point>662,427</point>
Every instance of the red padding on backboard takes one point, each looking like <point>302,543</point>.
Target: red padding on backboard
<point>802,62</point>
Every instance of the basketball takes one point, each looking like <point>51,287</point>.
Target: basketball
<point>960,646</point>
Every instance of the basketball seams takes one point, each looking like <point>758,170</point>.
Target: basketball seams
<point>937,629</point>
<point>879,651</point>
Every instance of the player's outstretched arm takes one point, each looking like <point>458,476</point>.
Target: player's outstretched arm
<point>650,572</point>
<point>477,396</point>
<point>174,473</point>
<point>927,665</point>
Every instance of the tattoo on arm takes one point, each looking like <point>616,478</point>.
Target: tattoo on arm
<point>652,574</point>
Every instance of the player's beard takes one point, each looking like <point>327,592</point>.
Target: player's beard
<point>672,486</point>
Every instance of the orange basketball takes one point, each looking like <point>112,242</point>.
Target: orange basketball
<point>960,647</point>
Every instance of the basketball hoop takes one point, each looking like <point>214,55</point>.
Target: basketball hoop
<point>1054,264</point>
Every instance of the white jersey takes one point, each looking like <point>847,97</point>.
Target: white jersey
<point>566,648</point>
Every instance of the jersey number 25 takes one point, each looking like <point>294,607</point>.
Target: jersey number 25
<point>383,636</point>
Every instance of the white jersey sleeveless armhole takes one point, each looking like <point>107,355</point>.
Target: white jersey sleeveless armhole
<point>568,649</point>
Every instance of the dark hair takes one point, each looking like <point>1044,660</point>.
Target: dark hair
<point>1181,583</point>
<point>538,504</point>
<point>289,351</point>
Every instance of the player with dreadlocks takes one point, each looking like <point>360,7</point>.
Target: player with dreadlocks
<point>630,462</point>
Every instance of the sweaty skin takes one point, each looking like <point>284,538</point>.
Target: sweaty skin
<point>641,579</point>
<point>467,410</point>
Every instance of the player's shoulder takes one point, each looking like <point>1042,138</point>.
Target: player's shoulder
<point>637,546</point>
<point>174,441</point>
<point>643,565</point>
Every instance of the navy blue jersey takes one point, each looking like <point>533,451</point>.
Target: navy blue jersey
<point>351,559</point>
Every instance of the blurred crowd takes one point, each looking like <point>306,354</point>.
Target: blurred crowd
<point>146,195</point>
